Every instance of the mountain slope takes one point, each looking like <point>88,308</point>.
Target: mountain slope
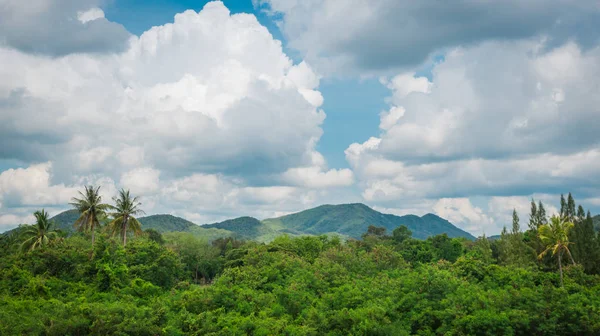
<point>65,220</point>
<point>346,220</point>
<point>243,227</point>
<point>352,220</point>
<point>166,223</point>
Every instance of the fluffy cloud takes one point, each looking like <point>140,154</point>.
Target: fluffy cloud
<point>59,28</point>
<point>461,210</point>
<point>207,111</point>
<point>32,186</point>
<point>497,120</point>
<point>379,35</point>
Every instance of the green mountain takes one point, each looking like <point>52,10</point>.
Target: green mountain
<point>166,223</point>
<point>243,227</point>
<point>352,220</point>
<point>345,220</point>
<point>65,220</point>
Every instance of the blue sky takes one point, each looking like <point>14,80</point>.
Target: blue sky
<point>467,110</point>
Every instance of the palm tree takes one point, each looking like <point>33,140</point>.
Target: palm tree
<point>90,208</point>
<point>555,237</point>
<point>125,210</point>
<point>39,234</point>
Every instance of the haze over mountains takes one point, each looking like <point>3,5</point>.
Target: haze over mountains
<point>345,220</point>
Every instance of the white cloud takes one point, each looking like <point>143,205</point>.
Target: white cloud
<point>32,187</point>
<point>462,212</point>
<point>206,110</point>
<point>141,180</point>
<point>365,36</point>
<point>314,177</point>
<point>59,27</point>
<point>91,14</point>
<point>501,121</point>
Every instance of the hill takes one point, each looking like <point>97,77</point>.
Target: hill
<point>65,220</point>
<point>166,223</point>
<point>243,227</point>
<point>352,220</point>
<point>345,220</point>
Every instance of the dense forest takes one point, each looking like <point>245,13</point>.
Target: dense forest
<point>114,277</point>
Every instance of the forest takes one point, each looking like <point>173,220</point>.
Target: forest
<point>113,277</point>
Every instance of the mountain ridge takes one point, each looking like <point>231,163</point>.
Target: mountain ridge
<point>346,220</point>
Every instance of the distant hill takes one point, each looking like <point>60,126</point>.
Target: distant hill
<point>352,220</point>
<point>166,223</point>
<point>243,227</point>
<point>65,220</point>
<point>344,220</point>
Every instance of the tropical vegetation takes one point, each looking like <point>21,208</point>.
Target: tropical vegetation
<point>386,282</point>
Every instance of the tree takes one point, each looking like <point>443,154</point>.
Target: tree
<point>39,234</point>
<point>518,253</point>
<point>585,249</point>
<point>516,228</point>
<point>90,208</point>
<point>125,209</point>
<point>570,208</point>
<point>563,206</point>
<point>555,237</point>
<point>401,234</point>
<point>541,214</point>
<point>533,216</point>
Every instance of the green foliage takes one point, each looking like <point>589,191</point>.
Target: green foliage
<point>91,210</point>
<point>166,223</point>
<point>353,220</point>
<point>309,285</point>
<point>124,210</point>
<point>38,235</point>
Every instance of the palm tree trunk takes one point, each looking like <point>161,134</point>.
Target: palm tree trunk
<point>560,268</point>
<point>124,228</point>
<point>571,256</point>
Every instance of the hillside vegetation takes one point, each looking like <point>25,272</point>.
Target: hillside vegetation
<point>115,279</point>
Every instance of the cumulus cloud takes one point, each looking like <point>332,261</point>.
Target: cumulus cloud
<point>380,35</point>
<point>141,181</point>
<point>59,27</point>
<point>207,111</point>
<point>461,210</point>
<point>32,186</point>
<point>500,119</point>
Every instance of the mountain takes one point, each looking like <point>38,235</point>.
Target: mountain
<point>166,223</point>
<point>246,227</point>
<point>352,220</point>
<point>345,220</point>
<point>161,223</point>
<point>65,220</point>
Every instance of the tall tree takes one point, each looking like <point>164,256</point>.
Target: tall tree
<point>571,212</point>
<point>541,213</point>
<point>580,214</point>
<point>91,209</point>
<point>585,249</point>
<point>555,236</point>
<point>533,216</point>
<point>516,228</point>
<point>563,206</point>
<point>39,234</point>
<point>518,253</point>
<point>125,209</point>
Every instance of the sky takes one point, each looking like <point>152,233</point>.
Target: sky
<point>214,110</point>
